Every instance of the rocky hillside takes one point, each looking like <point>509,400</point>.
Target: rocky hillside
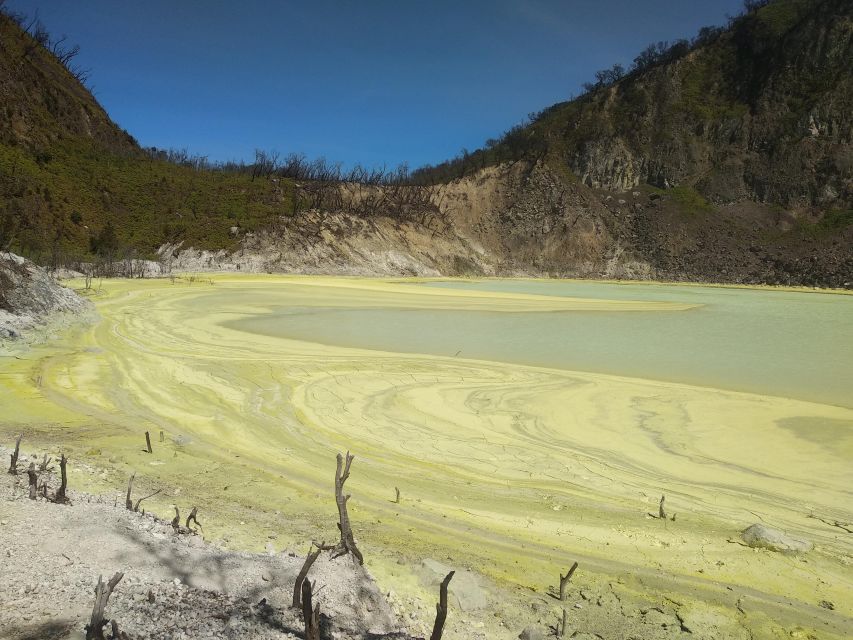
<point>174,584</point>
<point>31,298</point>
<point>727,158</point>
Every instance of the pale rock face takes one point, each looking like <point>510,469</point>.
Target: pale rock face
<point>30,298</point>
<point>764,537</point>
<point>464,590</point>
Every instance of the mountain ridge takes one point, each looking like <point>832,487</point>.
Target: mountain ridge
<point>728,159</point>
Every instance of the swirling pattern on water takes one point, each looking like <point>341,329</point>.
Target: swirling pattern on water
<point>491,457</point>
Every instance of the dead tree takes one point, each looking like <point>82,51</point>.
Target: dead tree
<point>59,497</point>
<point>347,543</point>
<point>44,465</point>
<point>192,518</point>
<point>148,443</point>
<point>34,480</point>
<point>150,495</point>
<point>661,511</point>
<point>128,502</point>
<point>310,612</point>
<point>564,580</point>
<point>117,633</point>
<point>397,499</point>
<point>303,572</point>
<point>95,628</point>
<point>441,608</point>
<point>561,626</point>
<point>13,467</point>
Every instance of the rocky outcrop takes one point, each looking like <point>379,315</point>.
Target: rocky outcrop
<point>760,536</point>
<point>30,298</point>
<point>761,113</point>
<point>341,244</point>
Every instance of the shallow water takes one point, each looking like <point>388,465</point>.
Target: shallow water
<point>792,344</point>
<point>491,456</point>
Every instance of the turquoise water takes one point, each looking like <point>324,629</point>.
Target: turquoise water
<point>792,344</point>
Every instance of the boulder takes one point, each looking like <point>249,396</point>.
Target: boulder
<point>464,591</point>
<point>531,633</point>
<point>760,536</point>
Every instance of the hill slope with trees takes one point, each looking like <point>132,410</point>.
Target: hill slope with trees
<point>724,158</point>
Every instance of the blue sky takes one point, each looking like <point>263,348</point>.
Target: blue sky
<point>375,81</point>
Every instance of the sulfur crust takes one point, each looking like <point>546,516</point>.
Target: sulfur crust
<point>510,470</point>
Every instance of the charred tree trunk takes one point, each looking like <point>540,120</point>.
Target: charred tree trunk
<point>564,580</point>
<point>347,543</point>
<point>310,613</point>
<point>192,518</point>
<point>34,480</point>
<point>441,608</point>
<point>148,443</point>
<point>138,502</point>
<point>60,496</point>
<point>13,467</point>
<point>128,503</point>
<point>303,572</point>
<point>44,465</point>
<point>95,628</point>
<point>117,633</point>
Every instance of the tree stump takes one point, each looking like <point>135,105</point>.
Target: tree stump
<point>59,497</point>
<point>148,443</point>
<point>128,502</point>
<point>192,518</point>
<point>347,543</point>
<point>564,580</point>
<point>561,627</point>
<point>44,465</point>
<point>13,467</point>
<point>441,608</point>
<point>95,628</point>
<point>34,480</point>
<point>310,613</point>
<point>661,510</point>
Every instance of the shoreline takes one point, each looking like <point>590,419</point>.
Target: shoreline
<point>287,406</point>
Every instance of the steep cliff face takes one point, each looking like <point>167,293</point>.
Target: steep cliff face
<point>762,113</point>
<point>731,161</point>
<point>531,219</point>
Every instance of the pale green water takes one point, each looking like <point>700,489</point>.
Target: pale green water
<point>792,344</point>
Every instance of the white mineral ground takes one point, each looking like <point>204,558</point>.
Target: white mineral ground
<point>511,471</point>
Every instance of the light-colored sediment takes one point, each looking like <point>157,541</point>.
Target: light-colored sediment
<point>509,470</point>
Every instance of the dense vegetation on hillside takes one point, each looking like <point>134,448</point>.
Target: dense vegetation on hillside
<point>753,114</point>
<point>775,83</point>
<point>74,185</point>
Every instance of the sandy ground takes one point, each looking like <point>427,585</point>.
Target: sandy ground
<point>512,472</point>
